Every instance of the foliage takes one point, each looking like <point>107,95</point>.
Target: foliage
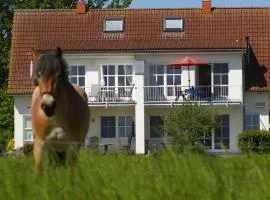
<point>254,141</point>
<point>189,123</point>
<point>6,110</point>
<point>5,136</point>
<point>117,176</point>
<point>108,3</point>
<point>10,145</point>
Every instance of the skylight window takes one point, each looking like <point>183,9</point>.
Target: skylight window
<point>114,24</point>
<point>173,24</point>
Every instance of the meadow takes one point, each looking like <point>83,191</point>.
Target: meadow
<point>166,175</point>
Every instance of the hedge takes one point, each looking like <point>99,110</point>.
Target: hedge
<point>254,141</point>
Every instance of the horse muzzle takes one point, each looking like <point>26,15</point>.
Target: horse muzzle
<point>48,104</point>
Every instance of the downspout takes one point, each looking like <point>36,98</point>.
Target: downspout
<point>245,64</point>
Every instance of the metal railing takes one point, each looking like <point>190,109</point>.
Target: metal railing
<point>165,94</point>
<point>110,94</point>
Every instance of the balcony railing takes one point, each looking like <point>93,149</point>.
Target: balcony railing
<point>109,94</point>
<point>180,94</point>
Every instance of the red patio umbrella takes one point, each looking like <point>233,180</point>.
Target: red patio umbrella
<point>187,61</point>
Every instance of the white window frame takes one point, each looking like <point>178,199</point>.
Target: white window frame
<point>213,85</point>
<point>173,24</point>
<point>117,132</point>
<point>116,74</point>
<point>77,76</point>
<point>252,125</point>
<point>113,24</point>
<point>165,77</point>
<point>25,118</point>
<point>213,138</point>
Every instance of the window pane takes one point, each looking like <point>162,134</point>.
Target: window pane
<point>217,80</point>
<point>129,81</point>
<point>81,81</point>
<point>255,121</point>
<point>73,80</point>
<point>129,70</point>
<point>28,123</point>
<point>121,80</point>
<point>122,132</point>
<point>81,70</point>
<point>217,144</point>
<point>225,120</point>
<point>218,132</point>
<point>169,70</point>
<point>121,121</point>
<point>225,143</point>
<point>169,80</point>
<point>225,132</point>
<point>105,69</point>
<point>28,135</point>
<point>177,80</point>
<point>217,68</point>
<point>224,68</point>
<point>225,79</point>
<point>248,120</point>
<point>111,81</point>
<point>128,131</point>
<point>177,70</point>
<point>111,70</point>
<point>160,80</point>
<point>129,121</point>
<point>108,127</point>
<point>156,126</point>
<point>160,69</point>
<point>121,70</point>
<point>73,70</point>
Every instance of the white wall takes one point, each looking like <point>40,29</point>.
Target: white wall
<point>251,98</point>
<point>21,109</point>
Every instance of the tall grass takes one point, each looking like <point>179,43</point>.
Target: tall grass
<point>117,176</point>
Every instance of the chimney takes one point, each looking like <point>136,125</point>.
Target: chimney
<point>81,7</point>
<point>206,7</point>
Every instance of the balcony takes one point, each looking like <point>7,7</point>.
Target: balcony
<point>104,95</point>
<point>197,94</point>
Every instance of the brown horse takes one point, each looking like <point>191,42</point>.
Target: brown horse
<point>60,114</point>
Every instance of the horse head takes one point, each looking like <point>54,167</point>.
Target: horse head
<point>50,74</point>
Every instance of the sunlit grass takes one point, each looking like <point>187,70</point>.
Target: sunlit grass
<point>119,176</point>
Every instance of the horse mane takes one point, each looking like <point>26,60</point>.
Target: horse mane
<point>52,63</point>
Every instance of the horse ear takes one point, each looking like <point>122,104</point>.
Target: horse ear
<point>59,52</point>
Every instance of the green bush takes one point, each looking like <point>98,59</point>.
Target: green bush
<point>254,141</point>
<point>5,136</point>
<point>189,123</point>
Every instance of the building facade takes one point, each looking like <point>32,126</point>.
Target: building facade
<point>120,58</point>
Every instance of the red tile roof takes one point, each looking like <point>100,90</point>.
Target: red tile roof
<point>224,28</point>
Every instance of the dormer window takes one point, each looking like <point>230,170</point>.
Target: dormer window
<point>114,24</point>
<point>173,24</point>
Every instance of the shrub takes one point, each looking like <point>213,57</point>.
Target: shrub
<point>5,136</point>
<point>28,148</point>
<point>10,145</point>
<point>188,124</point>
<point>254,141</point>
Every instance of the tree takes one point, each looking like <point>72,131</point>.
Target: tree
<point>108,3</point>
<point>189,123</point>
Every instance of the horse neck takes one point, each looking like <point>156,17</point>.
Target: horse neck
<point>64,98</point>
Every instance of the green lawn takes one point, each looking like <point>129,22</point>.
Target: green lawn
<point>118,176</point>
